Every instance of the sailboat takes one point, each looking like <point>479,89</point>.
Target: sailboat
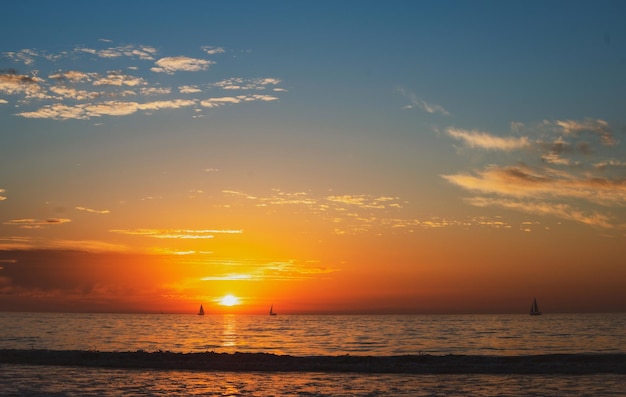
<point>272,313</point>
<point>201,311</point>
<point>534,309</point>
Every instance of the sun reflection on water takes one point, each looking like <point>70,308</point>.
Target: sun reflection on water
<point>229,333</point>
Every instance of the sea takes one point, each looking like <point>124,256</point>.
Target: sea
<point>309,335</point>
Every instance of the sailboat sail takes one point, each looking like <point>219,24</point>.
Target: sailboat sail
<point>272,313</point>
<point>534,309</point>
<point>201,312</point>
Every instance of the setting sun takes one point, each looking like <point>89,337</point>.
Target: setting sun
<point>229,300</point>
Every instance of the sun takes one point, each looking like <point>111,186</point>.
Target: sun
<point>229,300</point>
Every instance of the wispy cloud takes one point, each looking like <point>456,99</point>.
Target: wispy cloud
<point>484,140</point>
<point>92,210</point>
<point>131,51</point>
<point>597,126</point>
<point>353,214</point>
<point>183,234</point>
<point>560,176</point>
<point>275,271</point>
<point>238,83</point>
<point>29,223</point>
<point>526,182</point>
<point>2,196</point>
<point>415,102</point>
<point>543,208</point>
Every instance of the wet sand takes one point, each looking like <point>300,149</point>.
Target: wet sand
<point>406,364</point>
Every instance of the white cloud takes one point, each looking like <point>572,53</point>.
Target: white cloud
<point>132,51</point>
<point>213,50</point>
<point>416,102</point>
<point>56,111</point>
<point>73,76</point>
<point>484,140</point>
<point>26,56</point>
<point>2,196</point>
<point>239,83</point>
<point>189,89</point>
<point>70,94</point>
<point>156,91</point>
<point>16,84</point>
<point>181,63</point>
<point>118,79</point>
<point>173,104</point>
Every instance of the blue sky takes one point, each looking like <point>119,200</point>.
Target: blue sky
<point>316,132</point>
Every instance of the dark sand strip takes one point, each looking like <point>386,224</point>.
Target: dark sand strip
<point>408,364</point>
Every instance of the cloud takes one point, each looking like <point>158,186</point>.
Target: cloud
<point>484,140</point>
<point>131,51</point>
<point>543,191</point>
<point>525,182</point>
<point>25,56</point>
<point>364,201</point>
<point>78,94</point>
<point>86,111</point>
<point>19,84</point>
<point>73,76</point>
<point>189,89</point>
<point>238,83</point>
<point>555,174</point>
<point>181,63</point>
<point>213,50</point>
<point>543,208</point>
<point>118,80</point>
<point>597,127</point>
<point>2,196</point>
<point>220,101</point>
<point>29,223</point>
<point>284,270</point>
<point>183,234</point>
<point>609,163</point>
<point>92,210</point>
<point>72,93</point>
<point>155,91</point>
<point>416,102</point>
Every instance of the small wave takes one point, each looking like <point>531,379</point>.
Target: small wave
<point>244,362</point>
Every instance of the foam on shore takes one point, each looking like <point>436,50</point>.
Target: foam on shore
<point>412,364</point>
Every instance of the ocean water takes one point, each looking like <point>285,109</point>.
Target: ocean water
<point>510,335</point>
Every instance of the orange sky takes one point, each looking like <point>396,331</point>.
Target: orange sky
<point>385,157</point>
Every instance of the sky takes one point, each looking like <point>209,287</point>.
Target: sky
<point>320,156</point>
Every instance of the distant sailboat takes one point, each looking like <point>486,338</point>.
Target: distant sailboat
<point>534,309</point>
<point>272,313</point>
<point>201,311</point>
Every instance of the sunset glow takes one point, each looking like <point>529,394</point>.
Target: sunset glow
<point>229,300</point>
<point>332,157</point>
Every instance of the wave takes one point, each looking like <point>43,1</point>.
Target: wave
<point>404,364</point>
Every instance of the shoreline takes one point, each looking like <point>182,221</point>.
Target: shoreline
<point>572,364</point>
